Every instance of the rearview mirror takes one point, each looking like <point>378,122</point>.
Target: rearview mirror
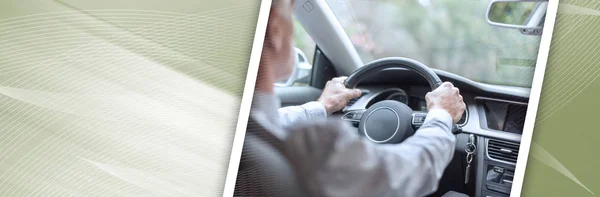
<point>526,15</point>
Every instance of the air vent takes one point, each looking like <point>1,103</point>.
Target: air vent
<point>503,151</point>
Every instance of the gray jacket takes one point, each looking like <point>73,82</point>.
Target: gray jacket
<point>330,158</point>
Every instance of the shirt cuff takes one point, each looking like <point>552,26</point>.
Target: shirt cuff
<point>315,110</point>
<point>441,116</point>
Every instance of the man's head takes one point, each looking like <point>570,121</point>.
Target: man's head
<point>277,56</point>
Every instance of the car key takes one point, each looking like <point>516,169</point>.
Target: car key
<point>470,148</point>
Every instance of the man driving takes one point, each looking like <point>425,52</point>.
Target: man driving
<point>328,156</point>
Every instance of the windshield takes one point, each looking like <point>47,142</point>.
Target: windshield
<point>450,35</point>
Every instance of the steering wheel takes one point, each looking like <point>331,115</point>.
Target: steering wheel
<point>389,121</point>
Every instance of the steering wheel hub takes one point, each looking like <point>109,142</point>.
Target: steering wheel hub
<point>387,122</point>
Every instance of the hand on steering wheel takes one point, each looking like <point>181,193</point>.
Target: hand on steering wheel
<point>392,121</point>
<point>336,96</point>
<point>448,98</point>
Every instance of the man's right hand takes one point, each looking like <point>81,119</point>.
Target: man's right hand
<point>448,98</point>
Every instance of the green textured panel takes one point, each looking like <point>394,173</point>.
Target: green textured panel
<point>120,97</point>
<point>564,155</point>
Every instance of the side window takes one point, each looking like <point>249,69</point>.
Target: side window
<point>304,51</point>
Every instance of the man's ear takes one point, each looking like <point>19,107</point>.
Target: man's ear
<point>274,34</point>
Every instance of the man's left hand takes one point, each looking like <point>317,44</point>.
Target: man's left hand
<point>336,96</point>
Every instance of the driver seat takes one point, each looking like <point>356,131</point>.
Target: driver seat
<point>263,170</point>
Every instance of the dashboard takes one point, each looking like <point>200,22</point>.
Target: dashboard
<point>493,111</point>
<point>413,98</point>
<point>495,116</point>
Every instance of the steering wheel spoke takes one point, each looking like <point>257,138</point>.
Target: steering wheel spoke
<point>353,115</point>
<point>418,118</point>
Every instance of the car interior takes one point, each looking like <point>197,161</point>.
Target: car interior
<point>488,134</point>
<point>493,121</point>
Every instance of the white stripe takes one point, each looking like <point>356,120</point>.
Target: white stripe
<point>240,132</point>
<point>534,97</point>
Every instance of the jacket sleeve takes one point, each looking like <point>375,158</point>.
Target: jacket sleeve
<point>331,159</point>
<point>309,111</point>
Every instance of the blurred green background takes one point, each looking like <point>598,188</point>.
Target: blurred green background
<point>450,35</point>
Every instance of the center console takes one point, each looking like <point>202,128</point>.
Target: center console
<point>498,167</point>
<point>498,157</point>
